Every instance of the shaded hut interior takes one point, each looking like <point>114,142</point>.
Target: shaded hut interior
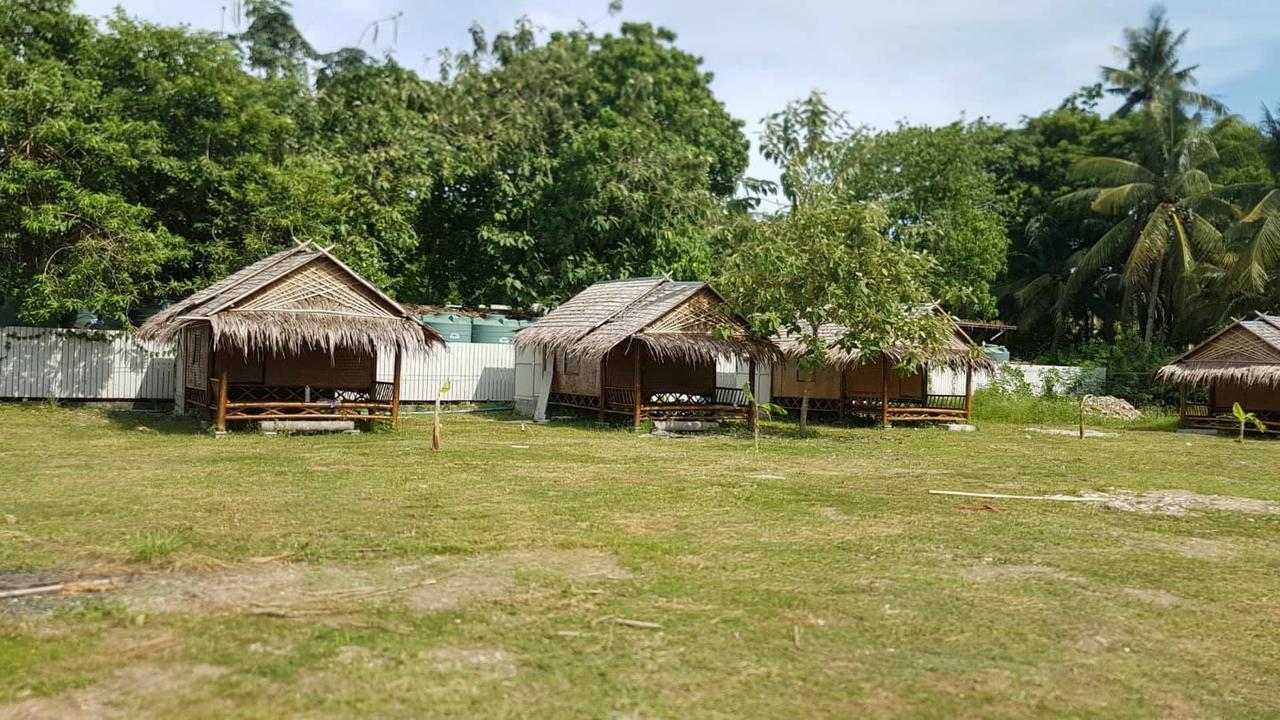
<point>1240,364</point>
<point>644,349</point>
<point>295,336</point>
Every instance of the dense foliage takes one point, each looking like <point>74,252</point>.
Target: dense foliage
<point>138,162</point>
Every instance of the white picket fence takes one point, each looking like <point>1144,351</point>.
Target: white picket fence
<point>40,363</point>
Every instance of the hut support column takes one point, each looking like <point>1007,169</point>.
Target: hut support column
<point>635,386</point>
<point>751,383</point>
<point>968,394</point>
<point>604,366</point>
<point>1182,404</point>
<point>884,390</point>
<point>843,399</point>
<point>395,391</point>
<point>221,421</point>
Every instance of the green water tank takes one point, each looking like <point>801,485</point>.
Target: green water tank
<point>453,328</point>
<point>999,353</point>
<point>143,313</point>
<point>493,329</point>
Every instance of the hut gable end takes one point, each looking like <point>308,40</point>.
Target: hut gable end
<point>1238,344</point>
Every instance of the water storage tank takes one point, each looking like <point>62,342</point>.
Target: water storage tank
<point>453,328</point>
<point>493,329</point>
<point>999,353</point>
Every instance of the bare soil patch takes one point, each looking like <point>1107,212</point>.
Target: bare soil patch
<point>320,590</point>
<point>990,571</point>
<point>1159,598</point>
<point>1180,502</point>
<point>149,685</point>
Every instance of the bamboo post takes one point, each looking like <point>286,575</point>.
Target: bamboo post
<point>221,423</point>
<point>395,391</point>
<point>842,376</point>
<point>604,367</point>
<point>884,390</point>
<point>635,384</point>
<point>968,394</point>
<point>751,384</point>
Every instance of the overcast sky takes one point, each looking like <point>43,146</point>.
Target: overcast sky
<point>926,61</point>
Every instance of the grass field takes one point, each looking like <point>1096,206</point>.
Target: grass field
<point>815,578</point>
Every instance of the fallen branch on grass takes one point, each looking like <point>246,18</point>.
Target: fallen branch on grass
<point>66,588</point>
<point>1001,496</point>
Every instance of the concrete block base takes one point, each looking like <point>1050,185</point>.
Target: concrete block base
<point>960,427</point>
<point>271,427</point>
<point>685,426</point>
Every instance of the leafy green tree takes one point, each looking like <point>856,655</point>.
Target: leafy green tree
<point>830,261</point>
<point>1152,76</point>
<point>586,158</point>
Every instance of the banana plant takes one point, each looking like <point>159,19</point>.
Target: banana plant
<point>1246,417</point>
<point>759,411</point>
<point>435,422</point>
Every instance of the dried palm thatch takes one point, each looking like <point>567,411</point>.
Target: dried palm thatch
<point>686,321</point>
<point>300,298</point>
<point>959,353</point>
<point>1246,352</point>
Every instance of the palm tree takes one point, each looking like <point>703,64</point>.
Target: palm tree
<point>1256,237</point>
<point>1162,234</point>
<point>1151,77</point>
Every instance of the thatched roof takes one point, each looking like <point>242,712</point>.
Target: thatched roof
<point>1246,352</point>
<point>685,320</point>
<point>960,352</point>
<point>298,298</point>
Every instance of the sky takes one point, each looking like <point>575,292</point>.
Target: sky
<point>922,61</point>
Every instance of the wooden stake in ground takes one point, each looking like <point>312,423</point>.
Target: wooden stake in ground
<point>435,420</point>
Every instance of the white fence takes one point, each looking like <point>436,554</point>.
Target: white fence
<point>39,363</point>
<point>476,372</point>
<point>1034,378</point>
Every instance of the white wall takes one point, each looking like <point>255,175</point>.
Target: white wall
<point>733,372</point>
<point>40,363</point>
<point>1062,378</point>
<point>477,372</point>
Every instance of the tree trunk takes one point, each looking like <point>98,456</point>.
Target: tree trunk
<point>804,409</point>
<point>1152,298</point>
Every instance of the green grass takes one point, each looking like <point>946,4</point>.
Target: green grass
<point>816,577</point>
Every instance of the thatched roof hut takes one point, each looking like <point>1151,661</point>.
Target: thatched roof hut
<point>959,353</point>
<point>645,348</point>
<point>1246,352</point>
<point>855,382</point>
<point>671,319</point>
<point>1239,364</point>
<point>300,298</point>
<point>294,336</point>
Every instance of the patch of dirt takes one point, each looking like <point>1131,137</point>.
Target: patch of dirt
<point>1192,548</point>
<point>1159,598</point>
<point>833,514</point>
<point>480,663</point>
<point>991,571</point>
<point>328,590</point>
<point>145,684</point>
<point>1180,502</point>
<point>1070,432</point>
<point>1109,406</point>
